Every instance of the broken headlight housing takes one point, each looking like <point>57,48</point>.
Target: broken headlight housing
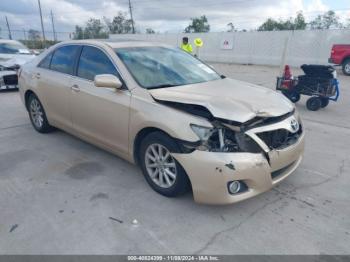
<point>223,139</point>
<point>216,139</point>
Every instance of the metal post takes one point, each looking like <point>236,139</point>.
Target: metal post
<point>131,16</point>
<point>42,24</point>
<point>53,28</point>
<point>24,34</point>
<point>8,27</point>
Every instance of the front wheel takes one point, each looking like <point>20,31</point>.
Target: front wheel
<point>162,172</point>
<point>314,103</point>
<point>346,67</point>
<point>37,115</point>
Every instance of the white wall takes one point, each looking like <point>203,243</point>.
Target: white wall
<point>265,48</point>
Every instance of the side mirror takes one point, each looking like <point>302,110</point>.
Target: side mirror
<point>107,80</point>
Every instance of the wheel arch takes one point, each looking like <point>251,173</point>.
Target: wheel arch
<point>346,58</point>
<point>139,137</point>
<point>26,97</point>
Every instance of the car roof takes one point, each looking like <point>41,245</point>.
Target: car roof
<point>115,44</point>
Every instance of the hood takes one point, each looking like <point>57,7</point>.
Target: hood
<point>18,59</point>
<point>228,99</point>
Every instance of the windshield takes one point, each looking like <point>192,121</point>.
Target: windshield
<point>159,67</point>
<point>13,48</point>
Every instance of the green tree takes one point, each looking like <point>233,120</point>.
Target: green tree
<point>94,28</point>
<point>120,24</point>
<point>79,32</point>
<point>270,25</point>
<point>298,23</point>
<point>326,21</point>
<point>150,31</point>
<point>34,35</point>
<point>198,25</point>
<point>231,27</point>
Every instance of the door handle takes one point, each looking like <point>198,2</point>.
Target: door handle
<point>75,88</point>
<point>37,75</point>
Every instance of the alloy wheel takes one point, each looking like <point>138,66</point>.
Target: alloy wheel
<point>160,165</point>
<point>36,113</point>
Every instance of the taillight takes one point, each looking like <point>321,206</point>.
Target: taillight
<point>332,52</point>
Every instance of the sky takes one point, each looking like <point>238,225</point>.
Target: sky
<point>164,16</point>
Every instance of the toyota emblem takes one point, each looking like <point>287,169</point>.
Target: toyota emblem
<point>294,125</point>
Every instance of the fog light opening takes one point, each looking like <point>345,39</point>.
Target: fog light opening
<point>234,187</point>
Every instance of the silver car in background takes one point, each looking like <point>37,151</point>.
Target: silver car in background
<point>13,54</point>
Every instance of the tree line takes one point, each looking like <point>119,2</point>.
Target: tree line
<point>120,24</point>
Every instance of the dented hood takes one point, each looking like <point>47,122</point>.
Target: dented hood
<point>18,59</point>
<point>228,99</point>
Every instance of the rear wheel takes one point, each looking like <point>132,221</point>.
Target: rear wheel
<point>37,115</point>
<point>314,103</point>
<point>162,172</point>
<point>346,67</point>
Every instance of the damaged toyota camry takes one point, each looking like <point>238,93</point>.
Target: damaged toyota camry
<point>185,125</point>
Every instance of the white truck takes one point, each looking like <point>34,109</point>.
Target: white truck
<point>13,54</point>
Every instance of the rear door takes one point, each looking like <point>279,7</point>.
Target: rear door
<point>54,81</point>
<point>99,114</point>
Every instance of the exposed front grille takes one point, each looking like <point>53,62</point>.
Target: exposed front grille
<point>10,80</point>
<point>280,138</point>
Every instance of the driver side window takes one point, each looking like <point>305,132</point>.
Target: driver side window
<point>94,62</point>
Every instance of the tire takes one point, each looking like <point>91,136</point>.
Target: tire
<point>324,102</point>
<point>37,115</point>
<point>314,103</point>
<point>346,67</point>
<point>157,175</point>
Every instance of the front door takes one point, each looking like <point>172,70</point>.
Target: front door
<point>99,114</point>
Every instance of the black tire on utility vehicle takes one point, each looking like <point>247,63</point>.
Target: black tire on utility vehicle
<point>37,115</point>
<point>346,67</point>
<point>324,102</point>
<point>162,172</point>
<point>314,103</point>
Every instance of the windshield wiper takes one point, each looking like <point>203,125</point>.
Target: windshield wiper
<point>161,86</point>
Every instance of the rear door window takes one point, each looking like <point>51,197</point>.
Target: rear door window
<point>94,62</point>
<point>63,59</point>
<point>45,63</point>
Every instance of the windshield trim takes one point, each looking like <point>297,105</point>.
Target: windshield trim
<point>153,88</point>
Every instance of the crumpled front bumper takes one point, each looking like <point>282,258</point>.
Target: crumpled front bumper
<point>8,80</point>
<point>210,172</point>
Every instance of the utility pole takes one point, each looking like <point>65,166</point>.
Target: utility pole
<point>8,27</point>
<point>24,34</point>
<point>132,19</point>
<point>53,27</point>
<point>42,24</point>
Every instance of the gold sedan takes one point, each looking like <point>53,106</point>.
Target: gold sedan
<point>185,125</point>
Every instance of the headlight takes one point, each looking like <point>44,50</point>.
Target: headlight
<point>216,139</point>
<point>202,132</point>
